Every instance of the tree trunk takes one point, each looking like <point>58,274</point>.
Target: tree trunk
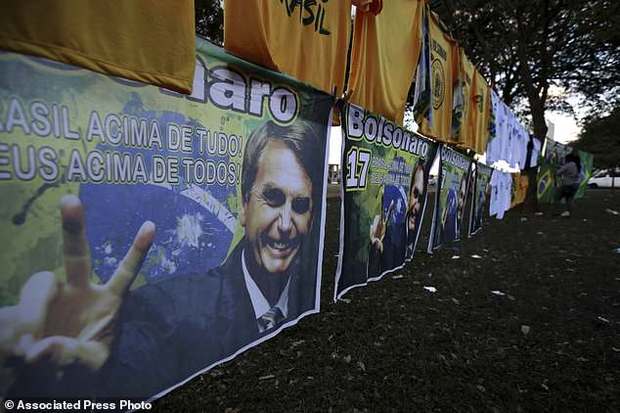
<point>540,132</point>
<point>537,110</point>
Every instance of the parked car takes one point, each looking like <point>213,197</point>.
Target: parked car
<point>603,178</point>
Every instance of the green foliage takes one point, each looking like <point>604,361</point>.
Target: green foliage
<point>210,20</point>
<point>526,47</point>
<point>601,137</point>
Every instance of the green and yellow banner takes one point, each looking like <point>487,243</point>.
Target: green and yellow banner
<point>480,197</point>
<point>450,198</point>
<point>384,178</point>
<point>150,235</point>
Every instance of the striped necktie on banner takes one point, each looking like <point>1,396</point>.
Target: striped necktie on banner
<point>270,319</point>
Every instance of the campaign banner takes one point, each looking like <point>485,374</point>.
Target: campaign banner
<point>450,197</point>
<point>151,235</point>
<point>462,131</point>
<point>479,115</point>
<point>520,183</point>
<point>444,59</point>
<point>545,188</point>
<point>587,165</point>
<point>384,182</point>
<point>422,83</point>
<point>553,158</point>
<point>480,197</point>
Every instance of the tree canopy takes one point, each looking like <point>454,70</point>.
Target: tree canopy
<point>209,17</point>
<point>601,137</point>
<point>531,49</point>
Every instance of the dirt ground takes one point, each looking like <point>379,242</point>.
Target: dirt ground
<point>531,323</point>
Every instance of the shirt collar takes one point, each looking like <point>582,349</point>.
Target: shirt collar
<point>259,302</point>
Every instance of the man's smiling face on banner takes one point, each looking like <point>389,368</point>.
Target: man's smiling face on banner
<point>278,213</point>
<point>415,198</point>
<point>462,196</point>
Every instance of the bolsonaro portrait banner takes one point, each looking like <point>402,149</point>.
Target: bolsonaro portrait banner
<point>450,198</point>
<point>479,205</point>
<point>150,235</point>
<point>385,172</point>
<point>547,184</point>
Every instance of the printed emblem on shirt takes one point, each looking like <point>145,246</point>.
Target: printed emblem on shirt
<point>438,83</point>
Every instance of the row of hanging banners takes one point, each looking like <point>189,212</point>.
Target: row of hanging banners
<point>226,185</point>
<point>385,186</point>
<point>232,178</point>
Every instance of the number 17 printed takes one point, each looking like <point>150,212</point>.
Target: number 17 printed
<point>358,162</point>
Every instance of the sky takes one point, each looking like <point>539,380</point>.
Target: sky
<point>565,127</point>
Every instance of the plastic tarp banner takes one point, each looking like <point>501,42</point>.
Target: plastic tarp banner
<point>553,158</point>
<point>462,130</point>
<point>480,197</point>
<point>384,185</point>
<point>479,114</point>
<point>190,228</point>
<point>422,84</point>
<point>452,189</point>
<point>520,183</point>
<point>587,164</point>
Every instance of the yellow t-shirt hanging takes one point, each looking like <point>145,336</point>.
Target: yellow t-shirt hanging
<point>479,116</point>
<point>443,76</point>
<point>308,42</point>
<point>462,128</point>
<point>520,184</point>
<point>148,41</point>
<point>384,57</point>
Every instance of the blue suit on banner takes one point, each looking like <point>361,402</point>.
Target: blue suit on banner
<point>450,225</point>
<point>168,331</point>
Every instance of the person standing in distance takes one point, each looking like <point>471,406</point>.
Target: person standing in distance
<point>568,175</point>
